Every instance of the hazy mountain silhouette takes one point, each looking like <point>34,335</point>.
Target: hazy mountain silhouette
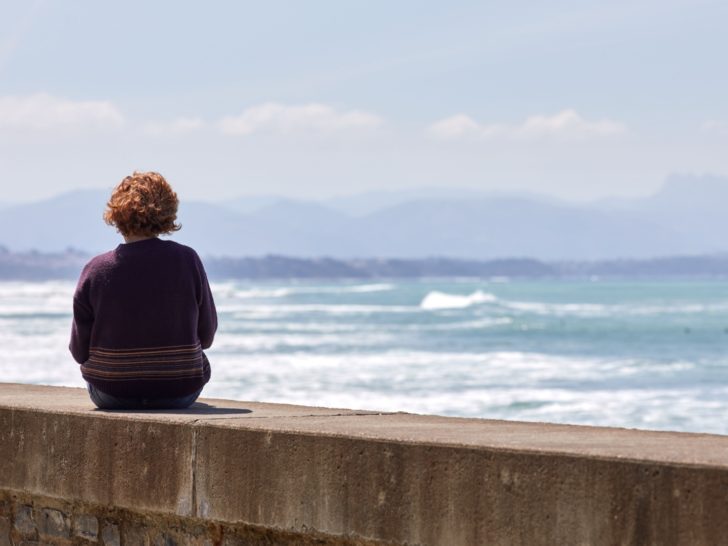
<point>515,227</point>
<point>69,220</point>
<point>692,206</point>
<point>361,204</point>
<point>684,217</point>
<point>249,203</point>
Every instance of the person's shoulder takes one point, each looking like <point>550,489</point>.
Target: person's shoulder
<point>174,246</point>
<point>100,261</point>
<point>182,250</point>
<point>96,268</point>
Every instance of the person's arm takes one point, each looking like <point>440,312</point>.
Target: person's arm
<point>207,318</point>
<point>83,320</point>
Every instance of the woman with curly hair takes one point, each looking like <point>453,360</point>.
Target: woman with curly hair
<point>143,312</point>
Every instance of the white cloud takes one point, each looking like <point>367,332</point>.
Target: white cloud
<point>42,111</point>
<point>567,122</point>
<point>178,126</point>
<point>454,127</point>
<point>564,124</point>
<point>281,118</point>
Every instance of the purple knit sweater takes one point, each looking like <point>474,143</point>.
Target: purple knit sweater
<point>142,314</point>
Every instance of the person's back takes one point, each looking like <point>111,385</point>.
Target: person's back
<point>143,312</point>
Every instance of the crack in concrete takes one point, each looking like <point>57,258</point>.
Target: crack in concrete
<point>193,465</point>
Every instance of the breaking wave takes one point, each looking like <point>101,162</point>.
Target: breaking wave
<point>440,300</point>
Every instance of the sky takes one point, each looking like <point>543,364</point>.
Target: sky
<point>573,99</point>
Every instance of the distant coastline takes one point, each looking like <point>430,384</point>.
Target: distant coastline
<point>686,217</point>
<point>38,266</point>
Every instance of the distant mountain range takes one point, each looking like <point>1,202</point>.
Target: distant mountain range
<point>686,217</point>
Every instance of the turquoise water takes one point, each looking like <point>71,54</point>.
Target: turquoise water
<point>632,354</point>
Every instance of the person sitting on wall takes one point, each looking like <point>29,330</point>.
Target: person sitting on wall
<point>143,312</point>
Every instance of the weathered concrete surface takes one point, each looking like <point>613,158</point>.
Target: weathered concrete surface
<point>380,477</point>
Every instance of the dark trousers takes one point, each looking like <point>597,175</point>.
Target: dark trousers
<point>107,401</point>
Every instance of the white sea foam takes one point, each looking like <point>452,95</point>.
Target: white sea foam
<point>242,321</point>
<point>440,300</point>
<point>612,310</point>
<point>49,307</point>
<point>442,370</point>
<point>560,309</point>
<point>231,291</point>
<point>268,311</point>
<point>35,290</point>
<point>249,342</point>
<point>678,309</point>
<point>479,324</point>
<point>26,299</point>
<point>260,293</point>
<point>382,287</point>
<point>512,385</point>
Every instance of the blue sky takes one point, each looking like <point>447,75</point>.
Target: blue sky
<point>312,99</point>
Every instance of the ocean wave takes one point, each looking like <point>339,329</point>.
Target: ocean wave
<point>35,290</point>
<point>511,385</point>
<point>559,309</point>
<point>230,291</point>
<point>21,299</point>
<point>260,293</point>
<point>597,310</point>
<point>402,370</point>
<point>242,320</point>
<point>679,309</point>
<point>272,311</point>
<point>487,322</point>
<point>342,289</point>
<point>381,287</point>
<point>351,350</point>
<point>440,300</point>
<point>264,342</point>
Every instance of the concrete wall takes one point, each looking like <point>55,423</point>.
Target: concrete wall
<point>249,473</point>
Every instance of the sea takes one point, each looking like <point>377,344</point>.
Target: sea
<point>647,354</point>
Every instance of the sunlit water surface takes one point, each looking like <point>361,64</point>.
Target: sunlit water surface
<point>646,355</point>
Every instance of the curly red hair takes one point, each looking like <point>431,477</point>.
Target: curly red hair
<point>143,204</point>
